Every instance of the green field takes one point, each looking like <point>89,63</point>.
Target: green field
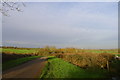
<point>7,50</point>
<point>57,68</point>
<point>33,50</point>
<point>0,50</point>
<point>103,51</point>
<point>16,62</point>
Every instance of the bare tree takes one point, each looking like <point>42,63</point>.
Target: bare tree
<point>11,6</point>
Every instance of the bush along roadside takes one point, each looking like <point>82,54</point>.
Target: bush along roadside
<point>58,68</point>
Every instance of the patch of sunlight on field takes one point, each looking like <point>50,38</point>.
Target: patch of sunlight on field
<point>0,50</point>
<point>102,51</point>
<point>18,51</point>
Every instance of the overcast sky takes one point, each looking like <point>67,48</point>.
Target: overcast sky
<point>63,24</point>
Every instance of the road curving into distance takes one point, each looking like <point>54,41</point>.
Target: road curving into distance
<point>31,69</point>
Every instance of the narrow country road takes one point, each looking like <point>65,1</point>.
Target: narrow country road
<point>31,69</point>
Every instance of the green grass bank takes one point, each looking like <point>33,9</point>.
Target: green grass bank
<point>58,68</point>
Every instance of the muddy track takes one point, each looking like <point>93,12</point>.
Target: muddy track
<point>31,69</point>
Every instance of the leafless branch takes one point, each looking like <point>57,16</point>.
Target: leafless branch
<point>14,6</point>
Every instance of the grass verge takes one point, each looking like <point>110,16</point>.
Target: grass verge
<point>16,62</point>
<point>58,68</point>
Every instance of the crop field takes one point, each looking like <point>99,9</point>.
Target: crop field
<point>67,62</point>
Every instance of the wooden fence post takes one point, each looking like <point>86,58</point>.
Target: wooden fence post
<point>108,65</point>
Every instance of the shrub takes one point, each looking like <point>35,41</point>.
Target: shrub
<point>87,60</point>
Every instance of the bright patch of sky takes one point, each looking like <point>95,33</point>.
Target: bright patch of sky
<point>63,24</point>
